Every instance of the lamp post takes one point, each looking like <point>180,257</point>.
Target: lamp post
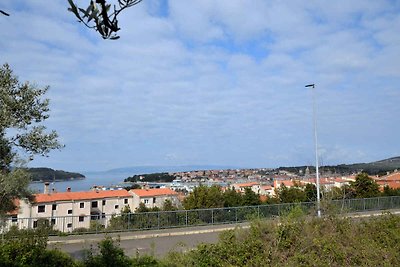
<point>316,149</point>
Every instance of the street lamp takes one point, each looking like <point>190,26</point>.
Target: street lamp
<point>316,149</point>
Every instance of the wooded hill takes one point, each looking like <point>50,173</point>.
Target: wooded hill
<point>380,167</point>
<point>153,177</point>
<point>48,174</point>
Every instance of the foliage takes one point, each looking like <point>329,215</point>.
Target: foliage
<point>291,194</point>
<point>232,198</point>
<point>28,248</point>
<point>387,191</point>
<point>22,110</point>
<point>364,186</point>
<point>13,185</point>
<point>110,254</point>
<point>152,177</point>
<point>295,240</point>
<point>250,198</point>
<point>101,17</point>
<point>47,174</point>
<point>374,168</point>
<point>204,197</point>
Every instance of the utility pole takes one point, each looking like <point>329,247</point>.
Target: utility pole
<point>316,149</point>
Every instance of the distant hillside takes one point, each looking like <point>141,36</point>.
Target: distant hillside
<point>160,169</point>
<point>380,167</point>
<point>47,174</point>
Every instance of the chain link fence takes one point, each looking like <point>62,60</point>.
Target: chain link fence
<point>185,218</point>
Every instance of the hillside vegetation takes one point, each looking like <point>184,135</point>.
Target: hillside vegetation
<point>373,168</point>
<point>292,240</point>
<point>47,174</point>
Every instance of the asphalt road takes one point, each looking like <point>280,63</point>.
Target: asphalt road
<point>158,242</point>
<point>154,242</point>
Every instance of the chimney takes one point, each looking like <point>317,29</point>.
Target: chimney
<point>46,188</point>
<point>68,189</point>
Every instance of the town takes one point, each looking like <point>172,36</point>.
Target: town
<point>68,211</point>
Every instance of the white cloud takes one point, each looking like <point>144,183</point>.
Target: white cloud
<point>213,82</point>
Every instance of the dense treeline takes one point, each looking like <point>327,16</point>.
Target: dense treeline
<point>291,240</point>
<point>152,177</point>
<point>47,174</point>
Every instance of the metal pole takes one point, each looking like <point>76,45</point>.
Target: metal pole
<point>316,149</point>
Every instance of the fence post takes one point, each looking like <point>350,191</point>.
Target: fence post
<point>186,218</point>
<point>212,216</point>
<point>364,204</point>
<point>258,211</point>
<point>379,206</point>
<point>236,217</point>
<point>158,219</point>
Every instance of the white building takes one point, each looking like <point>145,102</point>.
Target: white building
<point>153,197</point>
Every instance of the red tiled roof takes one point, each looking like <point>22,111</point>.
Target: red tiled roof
<point>391,184</point>
<point>153,192</point>
<point>391,177</point>
<point>65,196</point>
<point>249,184</point>
<point>266,187</point>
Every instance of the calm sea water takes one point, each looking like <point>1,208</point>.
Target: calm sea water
<point>107,180</point>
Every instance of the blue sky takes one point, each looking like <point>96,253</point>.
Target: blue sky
<point>213,82</point>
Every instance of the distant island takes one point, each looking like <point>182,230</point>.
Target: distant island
<point>49,175</point>
<point>153,177</point>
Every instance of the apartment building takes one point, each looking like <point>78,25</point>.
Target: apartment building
<point>153,197</point>
<point>67,211</point>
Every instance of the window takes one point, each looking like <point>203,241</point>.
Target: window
<point>81,218</point>
<point>69,211</point>
<point>14,218</point>
<point>116,206</point>
<point>69,225</point>
<point>154,200</point>
<point>95,216</point>
<point>34,224</point>
<point>54,207</point>
<point>81,205</point>
<point>94,204</point>
<point>53,221</point>
<point>146,201</point>
<point>103,215</point>
<point>41,208</point>
<point>125,201</point>
<point>104,202</point>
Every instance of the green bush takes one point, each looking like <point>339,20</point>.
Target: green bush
<point>297,240</point>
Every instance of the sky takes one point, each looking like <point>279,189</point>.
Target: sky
<point>213,82</point>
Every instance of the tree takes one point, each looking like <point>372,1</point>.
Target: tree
<point>311,192</point>
<point>291,195</point>
<point>22,110</point>
<point>101,17</point>
<point>232,198</point>
<point>204,197</point>
<point>250,198</point>
<point>364,186</point>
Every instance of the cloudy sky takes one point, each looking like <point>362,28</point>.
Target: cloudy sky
<point>216,82</point>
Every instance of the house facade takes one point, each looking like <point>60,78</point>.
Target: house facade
<point>152,198</point>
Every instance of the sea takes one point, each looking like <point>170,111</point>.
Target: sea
<point>92,179</point>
